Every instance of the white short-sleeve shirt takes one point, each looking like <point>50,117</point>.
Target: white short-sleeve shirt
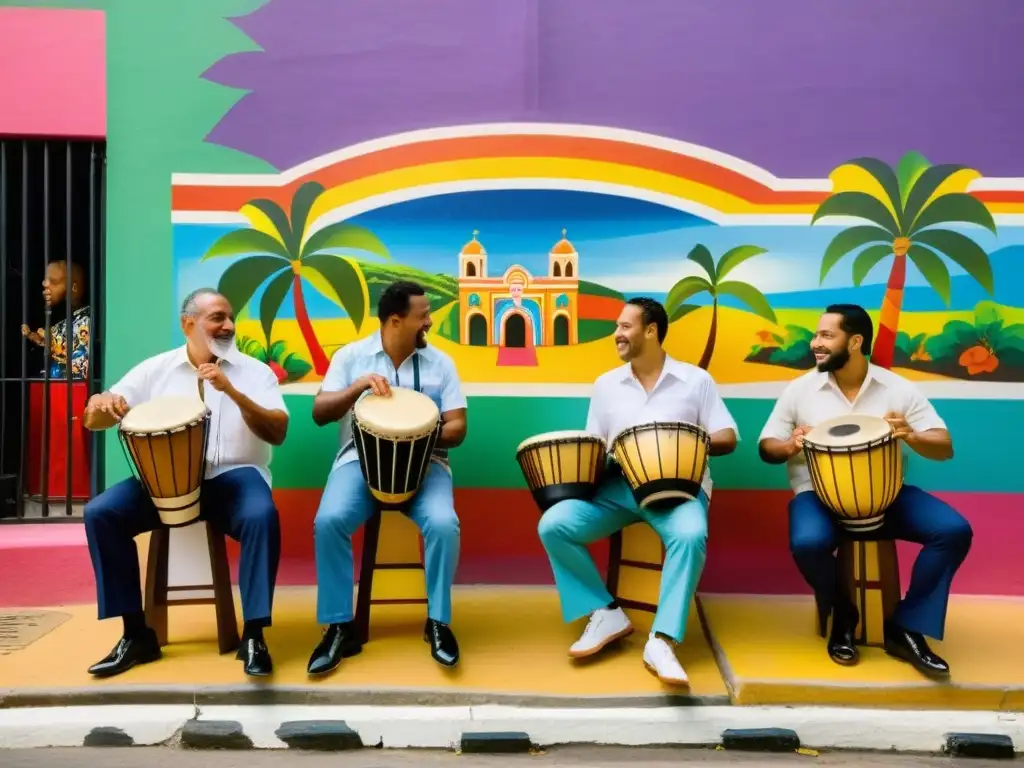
<point>815,397</point>
<point>439,380</point>
<point>683,392</point>
<point>231,444</point>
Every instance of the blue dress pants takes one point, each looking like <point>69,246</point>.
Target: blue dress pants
<point>914,516</point>
<point>569,526</point>
<point>238,503</point>
<point>347,504</point>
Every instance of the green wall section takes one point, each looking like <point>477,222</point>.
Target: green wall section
<point>159,111</point>
<point>984,433</point>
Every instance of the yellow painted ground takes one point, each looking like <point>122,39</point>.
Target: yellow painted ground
<point>774,656</point>
<point>582,363</point>
<point>512,640</point>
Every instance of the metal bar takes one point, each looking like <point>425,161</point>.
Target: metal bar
<point>44,463</point>
<point>91,378</point>
<point>99,330</point>
<point>69,331</point>
<point>20,500</point>
<point>3,320</point>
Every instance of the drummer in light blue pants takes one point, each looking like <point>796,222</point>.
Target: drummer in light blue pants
<point>397,356</point>
<point>650,387</point>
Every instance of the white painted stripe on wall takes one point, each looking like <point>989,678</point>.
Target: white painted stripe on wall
<point>572,130</point>
<point>767,390</point>
<point>638,138</point>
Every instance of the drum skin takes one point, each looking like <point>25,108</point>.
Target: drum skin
<point>663,462</point>
<point>395,436</point>
<point>165,440</point>
<point>856,467</point>
<point>562,465</point>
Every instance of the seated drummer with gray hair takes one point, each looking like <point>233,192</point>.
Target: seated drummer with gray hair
<point>248,416</point>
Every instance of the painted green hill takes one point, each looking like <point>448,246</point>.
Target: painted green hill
<point>441,289</point>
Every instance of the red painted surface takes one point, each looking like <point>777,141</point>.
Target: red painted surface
<point>58,447</point>
<point>53,79</point>
<point>590,307</point>
<point>748,549</point>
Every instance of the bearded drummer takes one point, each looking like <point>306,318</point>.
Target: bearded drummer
<point>844,382</point>
<point>248,416</point>
<point>651,386</point>
<point>398,355</point>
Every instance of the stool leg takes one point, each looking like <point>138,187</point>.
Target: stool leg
<point>371,535</point>
<point>223,598</point>
<point>869,573</point>
<point>156,583</point>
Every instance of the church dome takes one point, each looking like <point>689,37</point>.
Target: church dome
<point>563,247</point>
<point>473,247</point>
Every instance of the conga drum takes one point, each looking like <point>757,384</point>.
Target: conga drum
<point>856,467</point>
<point>663,462</point>
<point>562,465</point>
<point>165,441</point>
<point>395,436</point>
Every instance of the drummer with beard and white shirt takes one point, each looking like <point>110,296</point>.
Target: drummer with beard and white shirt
<point>844,382</point>
<point>248,416</point>
<point>651,386</point>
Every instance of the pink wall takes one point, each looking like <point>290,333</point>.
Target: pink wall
<point>53,79</point>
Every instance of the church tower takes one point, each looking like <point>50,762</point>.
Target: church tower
<point>563,261</point>
<point>473,259</point>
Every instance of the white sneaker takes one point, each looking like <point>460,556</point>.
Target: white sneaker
<point>605,626</point>
<point>660,659</point>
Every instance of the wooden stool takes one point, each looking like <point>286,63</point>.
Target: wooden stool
<point>635,557</point>
<point>869,573</point>
<point>196,572</point>
<point>391,543</point>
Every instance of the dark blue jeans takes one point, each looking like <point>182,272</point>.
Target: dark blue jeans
<point>914,516</point>
<point>238,503</point>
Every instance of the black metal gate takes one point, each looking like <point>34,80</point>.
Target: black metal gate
<point>51,325</point>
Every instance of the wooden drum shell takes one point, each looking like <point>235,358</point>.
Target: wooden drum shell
<point>394,467</point>
<point>857,483</point>
<point>171,465</point>
<point>561,468</point>
<point>663,462</point>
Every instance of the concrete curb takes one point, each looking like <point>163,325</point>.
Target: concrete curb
<point>498,728</point>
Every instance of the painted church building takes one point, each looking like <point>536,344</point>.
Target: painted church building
<point>518,309</point>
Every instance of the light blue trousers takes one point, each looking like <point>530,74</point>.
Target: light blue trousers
<point>346,505</point>
<point>569,526</point>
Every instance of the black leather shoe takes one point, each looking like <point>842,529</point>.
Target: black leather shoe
<point>842,647</point>
<point>912,647</point>
<point>339,642</point>
<point>443,645</point>
<point>256,655</point>
<point>128,652</point>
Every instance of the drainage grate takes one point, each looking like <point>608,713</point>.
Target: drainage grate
<point>19,630</point>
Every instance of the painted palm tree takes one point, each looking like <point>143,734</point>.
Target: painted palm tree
<point>279,247</point>
<point>713,283</point>
<point>905,209</point>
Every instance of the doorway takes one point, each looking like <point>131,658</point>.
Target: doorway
<point>561,331</point>
<point>515,330</point>
<point>477,330</point>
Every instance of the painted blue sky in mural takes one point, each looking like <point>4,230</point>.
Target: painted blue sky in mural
<point>633,246</point>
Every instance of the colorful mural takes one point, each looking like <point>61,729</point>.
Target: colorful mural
<point>303,255</point>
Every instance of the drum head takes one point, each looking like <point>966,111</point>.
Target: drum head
<point>568,435</point>
<point>162,414</point>
<point>849,430</point>
<point>405,412</point>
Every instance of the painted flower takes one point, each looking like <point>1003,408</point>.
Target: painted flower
<point>978,359</point>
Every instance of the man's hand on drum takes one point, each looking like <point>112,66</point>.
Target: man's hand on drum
<point>213,374</point>
<point>376,384</point>
<point>112,405</point>
<point>901,430</point>
<point>796,440</point>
